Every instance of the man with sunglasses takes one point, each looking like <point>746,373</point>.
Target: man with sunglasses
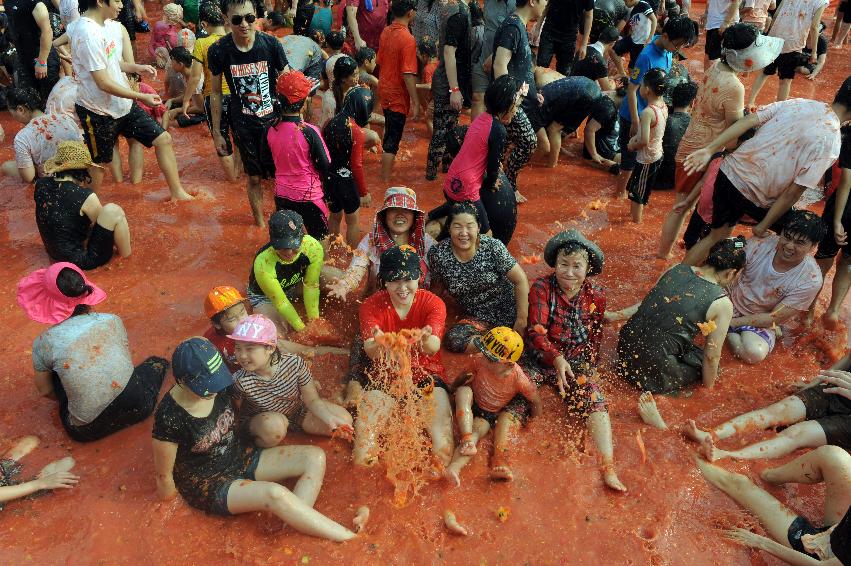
<point>779,282</point>
<point>250,63</point>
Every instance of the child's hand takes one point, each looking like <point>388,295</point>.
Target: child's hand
<point>338,289</point>
<point>57,480</point>
<point>366,201</point>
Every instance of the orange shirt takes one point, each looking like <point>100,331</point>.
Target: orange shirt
<point>492,392</point>
<point>397,55</point>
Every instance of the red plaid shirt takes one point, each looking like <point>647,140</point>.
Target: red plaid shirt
<point>573,328</point>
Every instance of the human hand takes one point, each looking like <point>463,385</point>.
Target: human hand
<point>488,64</point>
<point>2,134</point>
<point>702,20</point>
<point>359,43</point>
<point>366,201</point>
<point>563,370</point>
<point>415,110</point>
<point>220,144</point>
<point>744,537</point>
<point>540,99</point>
<point>840,235</point>
<point>760,231</point>
<point>40,70</point>
<point>697,161</point>
<point>583,51</point>
<point>146,70</point>
<point>150,99</point>
<point>724,26</point>
<point>456,100</point>
<point>338,289</point>
<point>812,76</point>
<point>376,333</point>
<point>841,380</point>
<point>633,129</point>
<point>57,480</point>
<point>614,316</point>
<point>813,58</point>
<point>425,333</point>
<point>680,207</point>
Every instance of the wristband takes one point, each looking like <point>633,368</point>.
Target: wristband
<point>456,89</point>
<point>40,63</point>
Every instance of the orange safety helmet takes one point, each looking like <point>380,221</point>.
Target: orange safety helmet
<point>220,299</point>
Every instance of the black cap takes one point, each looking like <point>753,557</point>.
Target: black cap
<point>286,230</point>
<point>197,364</point>
<point>399,263</point>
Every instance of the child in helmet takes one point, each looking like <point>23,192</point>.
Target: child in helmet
<point>276,389</point>
<point>492,394</point>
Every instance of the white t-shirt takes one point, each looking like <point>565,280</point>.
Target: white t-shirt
<point>792,22</point>
<point>639,22</point>
<point>36,142</point>
<point>716,13</point>
<point>62,98</point>
<point>760,289</point>
<point>95,48</point>
<point>798,140</point>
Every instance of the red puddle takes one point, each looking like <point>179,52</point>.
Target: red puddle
<point>558,510</point>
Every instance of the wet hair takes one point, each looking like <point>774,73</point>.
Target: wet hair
<point>26,97</point>
<point>400,8</point>
<point>134,77</point>
<point>459,208</point>
<point>739,36</point>
<point>805,224</point>
<point>427,46</point>
<point>318,36</point>
<point>571,248</point>
<point>681,27</point>
<point>344,67</point>
<point>211,13</point>
<point>335,40</point>
<point>80,176</point>
<point>603,105</point>
<point>656,80</point>
<point>521,3</point>
<point>181,55</point>
<point>287,107</point>
<point>843,95</point>
<point>683,94</point>
<point>364,54</point>
<point>4,20</point>
<point>228,5</point>
<point>728,253</point>
<point>609,34</point>
<point>477,15</point>
<point>672,8</point>
<point>276,18</point>
<point>500,95</point>
<point>71,284</point>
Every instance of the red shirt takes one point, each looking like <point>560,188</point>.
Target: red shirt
<point>397,56</point>
<point>428,310</point>
<point>226,347</point>
<point>371,23</point>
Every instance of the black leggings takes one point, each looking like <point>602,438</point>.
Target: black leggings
<point>445,121</point>
<point>501,206</point>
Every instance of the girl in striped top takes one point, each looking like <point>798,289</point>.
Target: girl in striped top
<point>275,389</point>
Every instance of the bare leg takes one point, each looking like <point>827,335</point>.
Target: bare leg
<point>464,415</point>
<point>352,394</point>
<point>97,178</point>
<point>307,463</point>
<point>478,104</point>
<point>785,412</point>
<point>373,411</point>
<point>697,254</point>
<point>453,471</point>
<point>353,233</point>
<point>114,166</point>
<point>21,448</point>
<point>637,212</point>
<point>312,424</point>
<point>841,284</point>
<point>623,180</point>
<point>335,220</point>
<point>440,427</point>
<point>387,160</point>
<point>783,89</point>
<point>268,429</point>
<point>671,228</point>
<point>255,200</point>
<point>750,347</point>
<point>600,428</point>
<point>808,434</point>
<point>773,515</point>
<point>506,425</point>
<point>830,464</point>
<point>112,218</point>
<point>843,33</point>
<point>759,82</point>
<point>136,161</point>
<point>649,412</point>
<point>168,165</point>
<point>229,167</point>
<point>10,169</point>
<point>824,265</point>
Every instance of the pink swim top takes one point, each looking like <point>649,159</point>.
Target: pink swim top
<point>300,159</point>
<point>478,160</point>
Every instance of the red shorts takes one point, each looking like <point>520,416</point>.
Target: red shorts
<point>683,182</point>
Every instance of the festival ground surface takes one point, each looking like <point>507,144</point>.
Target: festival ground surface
<point>559,512</point>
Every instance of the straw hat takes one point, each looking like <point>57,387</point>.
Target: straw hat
<point>595,254</point>
<point>69,155</point>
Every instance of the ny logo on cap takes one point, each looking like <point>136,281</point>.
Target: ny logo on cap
<point>249,330</point>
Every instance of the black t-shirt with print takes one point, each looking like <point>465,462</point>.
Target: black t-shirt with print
<point>565,17</point>
<point>593,67</point>
<point>457,35</point>
<point>63,229</point>
<point>512,35</point>
<point>251,75</point>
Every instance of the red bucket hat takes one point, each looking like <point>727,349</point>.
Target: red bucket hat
<point>42,300</point>
<point>293,86</point>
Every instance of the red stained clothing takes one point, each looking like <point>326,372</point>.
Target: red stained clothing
<point>157,112</point>
<point>572,327</point>
<point>226,347</point>
<point>427,310</point>
<point>428,71</point>
<point>397,56</point>
<point>371,23</point>
<point>492,392</point>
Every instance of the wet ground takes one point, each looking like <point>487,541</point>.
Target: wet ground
<point>559,512</point>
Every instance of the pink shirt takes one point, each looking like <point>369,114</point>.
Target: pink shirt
<point>300,157</point>
<point>163,35</point>
<point>469,165</point>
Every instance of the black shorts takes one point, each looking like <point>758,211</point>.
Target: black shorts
<point>785,65</point>
<point>442,211</point>
<point>133,405</point>
<point>800,527</point>
<point>224,126</point>
<point>641,181</point>
<point>394,125</point>
<point>250,137</point>
<point>625,45</point>
<point>713,44</point>
<point>563,47</point>
<point>628,161</point>
<point>315,220</point>
<point>342,194</point>
<point>845,9</point>
<point>99,249</point>
<point>100,131</point>
<point>832,412</point>
<point>828,246</point>
<point>729,205</point>
<point>518,407</point>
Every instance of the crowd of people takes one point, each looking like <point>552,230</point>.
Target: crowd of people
<point>73,83</point>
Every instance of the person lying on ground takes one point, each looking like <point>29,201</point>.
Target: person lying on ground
<point>55,475</point>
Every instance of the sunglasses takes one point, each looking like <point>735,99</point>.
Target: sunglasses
<point>237,19</point>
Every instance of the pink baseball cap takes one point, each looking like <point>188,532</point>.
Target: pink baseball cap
<point>42,300</point>
<point>256,329</point>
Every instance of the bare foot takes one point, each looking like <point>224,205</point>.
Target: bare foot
<point>709,451</point>
<point>501,472</point>
<point>452,524</point>
<point>649,412</point>
<point>695,433</point>
<point>181,195</point>
<point>519,198</point>
<point>468,446</point>
<point>23,447</point>
<point>622,195</point>
<point>352,395</point>
<point>65,464</point>
<point>811,315</point>
<point>610,478</point>
<point>453,475</point>
<point>361,518</point>
<point>830,320</point>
